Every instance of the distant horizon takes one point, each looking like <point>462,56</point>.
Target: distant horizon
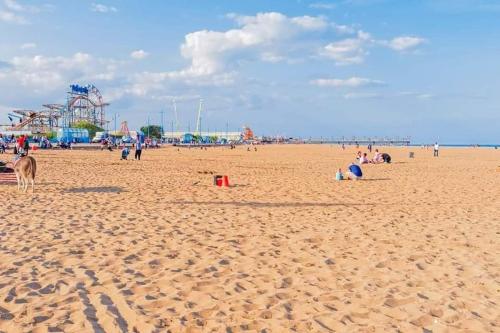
<point>425,69</point>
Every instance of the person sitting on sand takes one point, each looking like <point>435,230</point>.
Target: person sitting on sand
<point>364,159</point>
<point>339,175</point>
<point>355,172</point>
<point>2,145</point>
<point>377,158</point>
<point>125,152</point>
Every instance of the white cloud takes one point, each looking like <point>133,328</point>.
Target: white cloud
<point>348,51</point>
<point>271,57</point>
<point>425,96</point>
<point>13,5</point>
<point>10,17</point>
<point>139,54</point>
<point>15,13</point>
<point>27,46</point>
<point>100,8</point>
<point>210,51</point>
<point>42,73</point>
<point>404,43</point>
<point>353,82</point>
<point>323,5</point>
<point>354,50</point>
<point>343,29</point>
<point>362,95</point>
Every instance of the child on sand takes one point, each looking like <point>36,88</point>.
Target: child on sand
<point>125,152</point>
<point>339,175</point>
<point>363,159</point>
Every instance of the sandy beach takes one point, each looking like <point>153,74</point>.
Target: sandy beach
<point>152,246</point>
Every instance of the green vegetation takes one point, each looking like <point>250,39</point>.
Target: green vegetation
<point>52,135</point>
<point>89,127</point>
<point>154,131</point>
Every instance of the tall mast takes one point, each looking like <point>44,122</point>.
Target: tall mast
<point>198,120</point>
<point>176,116</point>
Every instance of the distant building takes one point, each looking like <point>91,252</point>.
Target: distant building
<point>188,136</point>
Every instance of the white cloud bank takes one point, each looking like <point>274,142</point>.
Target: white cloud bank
<point>353,82</point>
<point>209,51</point>
<point>15,13</point>
<point>214,57</point>
<point>42,73</point>
<point>10,17</point>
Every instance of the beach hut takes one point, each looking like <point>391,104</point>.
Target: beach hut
<point>74,135</point>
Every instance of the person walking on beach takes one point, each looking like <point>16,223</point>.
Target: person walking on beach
<point>138,149</point>
<point>436,149</point>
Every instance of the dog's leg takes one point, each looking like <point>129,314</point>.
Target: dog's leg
<point>18,178</point>
<point>32,185</point>
<point>25,181</point>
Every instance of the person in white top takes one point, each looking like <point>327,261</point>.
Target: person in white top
<point>363,159</point>
<point>377,158</point>
<point>436,149</point>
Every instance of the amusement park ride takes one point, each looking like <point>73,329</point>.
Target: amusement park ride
<point>86,104</point>
<point>82,104</point>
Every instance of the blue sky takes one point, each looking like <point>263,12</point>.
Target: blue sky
<point>428,69</point>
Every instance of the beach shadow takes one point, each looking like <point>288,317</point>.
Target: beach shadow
<point>375,179</point>
<point>256,204</point>
<point>96,189</point>
<point>89,311</point>
<point>46,184</point>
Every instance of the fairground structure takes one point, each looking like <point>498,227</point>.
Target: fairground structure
<point>83,103</point>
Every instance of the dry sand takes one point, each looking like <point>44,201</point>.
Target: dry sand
<point>123,246</point>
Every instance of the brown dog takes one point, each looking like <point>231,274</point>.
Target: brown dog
<point>25,169</point>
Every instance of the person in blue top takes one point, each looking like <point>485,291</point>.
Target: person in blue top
<point>138,148</point>
<point>125,152</point>
<point>354,172</point>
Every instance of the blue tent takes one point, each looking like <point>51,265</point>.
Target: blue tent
<point>187,138</point>
<point>75,135</point>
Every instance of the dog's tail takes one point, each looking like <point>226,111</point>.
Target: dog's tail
<point>32,171</point>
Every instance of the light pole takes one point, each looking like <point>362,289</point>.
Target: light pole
<point>162,132</point>
<point>114,118</point>
<point>148,126</point>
